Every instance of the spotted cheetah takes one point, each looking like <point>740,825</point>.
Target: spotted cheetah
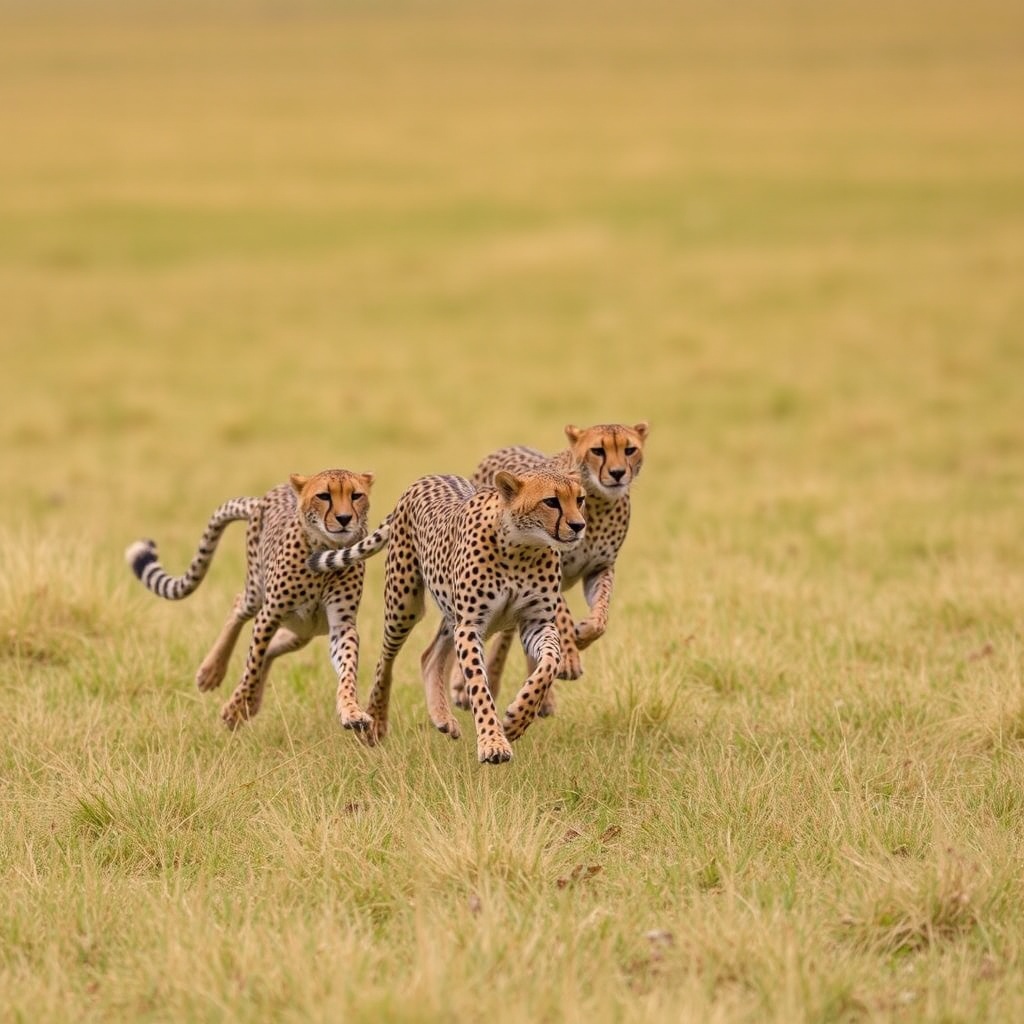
<point>290,603</point>
<point>608,458</point>
<point>491,560</point>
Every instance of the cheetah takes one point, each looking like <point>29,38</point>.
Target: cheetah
<point>608,458</point>
<point>490,558</point>
<point>290,603</point>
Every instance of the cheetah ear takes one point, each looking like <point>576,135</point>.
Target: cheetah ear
<point>573,433</point>
<point>367,479</point>
<point>298,482</point>
<point>508,485</point>
<point>641,429</point>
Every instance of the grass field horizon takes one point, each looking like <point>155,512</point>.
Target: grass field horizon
<point>394,237</point>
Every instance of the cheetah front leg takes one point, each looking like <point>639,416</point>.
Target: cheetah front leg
<point>492,747</point>
<point>541,641</point>
<point>597,589</point>
<point>244,703</point>
<point>436,663</point>
<point>548,706</point>
<point>569,666</point>
<point>496,658</point>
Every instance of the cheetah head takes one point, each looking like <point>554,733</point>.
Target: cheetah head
<point>609,457</point>
<point>333,505</point>
<point>543,508</point>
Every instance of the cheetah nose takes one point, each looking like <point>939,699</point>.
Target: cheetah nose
<point>616,474</point>
<point>343,520</point>
<point>576,527</point>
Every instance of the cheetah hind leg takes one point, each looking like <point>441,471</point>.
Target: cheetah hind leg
<point>437,662</point>
<point>403,608</point>
<point>569,665</point>
<point>246,605</point>
<point>457,686</point>
<point>214,667</point>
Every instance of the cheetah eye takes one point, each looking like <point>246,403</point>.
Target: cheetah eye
<point>630,449</point>
<point>325,496</point>
<point>356,495</point>
<point>579,501</point>
<point>551,502</point>
<point>599,452</point>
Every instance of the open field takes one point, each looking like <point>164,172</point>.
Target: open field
<point>391,237</point>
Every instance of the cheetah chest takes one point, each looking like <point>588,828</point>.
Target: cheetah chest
<point>307,617</point>
<point>504,612</point>
<point>501,594</point>
<point>524,594</point>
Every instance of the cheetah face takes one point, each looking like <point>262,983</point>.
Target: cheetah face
<point>544,508</point>
<point>609,457</point>
<point>333,505</point>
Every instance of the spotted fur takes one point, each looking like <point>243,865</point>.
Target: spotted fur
<point>491,560</point>
<point>608,458</point>
<point>290,603</point>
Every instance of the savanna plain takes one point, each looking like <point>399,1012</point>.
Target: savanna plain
<point>240,241</point>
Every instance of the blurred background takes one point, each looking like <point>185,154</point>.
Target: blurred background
<point>271,237</point>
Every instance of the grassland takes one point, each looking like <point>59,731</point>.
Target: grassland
<point>790,786</point>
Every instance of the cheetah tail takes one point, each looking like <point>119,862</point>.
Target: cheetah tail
<point>338,558</point>
<point>142,555</point>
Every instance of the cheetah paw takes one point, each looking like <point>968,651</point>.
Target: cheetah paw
<point>449,727</point>
<point>358,720</point>
<point>374,733</point>
<point>515,727</point>
<point>210,675</point>
<point>495,751</point>
<point>587,632</point>
<point>234,715</point>
<point>570,666</point>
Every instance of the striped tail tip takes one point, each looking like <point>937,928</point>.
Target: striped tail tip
<point>139,555</point>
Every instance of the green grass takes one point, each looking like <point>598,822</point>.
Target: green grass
<point>391,237</point>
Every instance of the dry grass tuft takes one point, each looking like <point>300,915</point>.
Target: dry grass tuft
<point>912,907</point>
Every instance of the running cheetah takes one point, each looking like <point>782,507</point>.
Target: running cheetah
<point>491,560</point>
<point>608,458</point>
<point>290,603</point>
